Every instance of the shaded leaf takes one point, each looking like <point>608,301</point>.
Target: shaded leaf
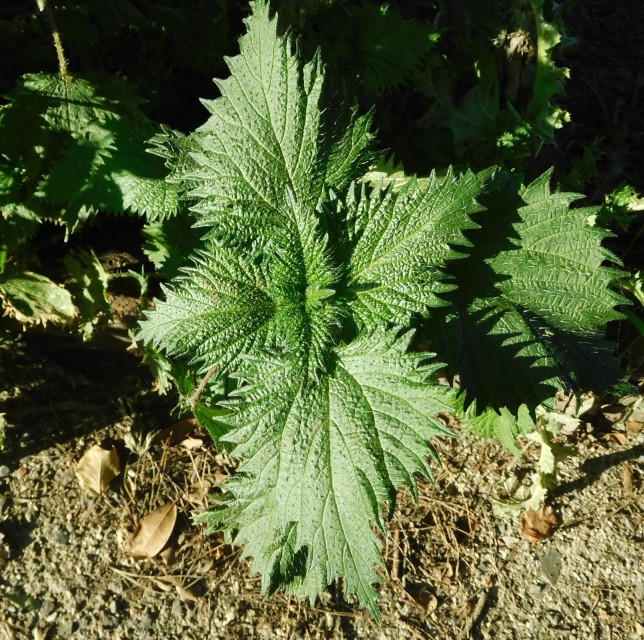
<point>32,299</point>
<point>88,284</point>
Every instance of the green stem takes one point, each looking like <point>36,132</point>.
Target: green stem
<point>45,9</point>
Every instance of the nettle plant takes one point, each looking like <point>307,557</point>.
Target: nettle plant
<point>310,284</point>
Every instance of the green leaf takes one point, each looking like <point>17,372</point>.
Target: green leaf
<point>267,141</point>
<point>216,310</point>
<point>374,44</point>
<point>555,272</point>
<point>549,78</point>
<point>81,144</point>
<point>88,285</point>
<point>530,319</point>
<point>319,461</point>
<point>33,299</point>
<point>402,240</point>
<point>234,302</point>
<point>169,243</point>
<point>504,425</point>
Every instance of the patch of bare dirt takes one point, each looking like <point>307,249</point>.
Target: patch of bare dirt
<point>455,570</point>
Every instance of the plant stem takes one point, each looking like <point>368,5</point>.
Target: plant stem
<point>202,385</point>
<point>45,9</point>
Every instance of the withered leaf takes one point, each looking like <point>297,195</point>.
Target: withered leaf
<point>97,468</point>
<point>175,432</point>
<point>538,525</point>
<point>192,444</point>
<point>186,594</point>
<point>154,531</point>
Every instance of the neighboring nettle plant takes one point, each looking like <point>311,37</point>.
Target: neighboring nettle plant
<point>308,291</point>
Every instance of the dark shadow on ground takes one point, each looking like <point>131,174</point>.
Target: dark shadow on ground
<point>593,468</point>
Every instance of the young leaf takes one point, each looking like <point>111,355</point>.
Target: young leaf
<point>218,309</point>
<point>267,140</point>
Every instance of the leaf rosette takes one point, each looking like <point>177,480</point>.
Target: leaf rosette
<point>307,290</point>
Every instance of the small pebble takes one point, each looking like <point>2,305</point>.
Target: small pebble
<point>4,471</point>
<point>62,536</point>
<point>146,620</point>
<point>177,608</point>
<point>47,607</point>
<point>65,629</point>
<point>116,586</point>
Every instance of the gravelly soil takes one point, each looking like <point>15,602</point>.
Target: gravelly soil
<point>456,570</point>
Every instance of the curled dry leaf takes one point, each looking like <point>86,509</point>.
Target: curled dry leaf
<point>97,468</point>
<point>154,531</point>
<point>186,594</point>
<point>538,525</point>
<point>175,432</point>
<point>40,633</point>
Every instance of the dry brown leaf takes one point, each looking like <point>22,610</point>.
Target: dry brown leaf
<point>198,495</point>
<point>166,583</point>
<point>168,555</point>
<point>619,437</point>
<point>192,444</point>
<point>208,563</point>
<point>634,427</point>
<point>97,468</point>
<point>221,477</point>
<point>154,531</point>
<point>175,432</point>
<point>186,594</point>
<point>538,525</point>
<point>423,597</point>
